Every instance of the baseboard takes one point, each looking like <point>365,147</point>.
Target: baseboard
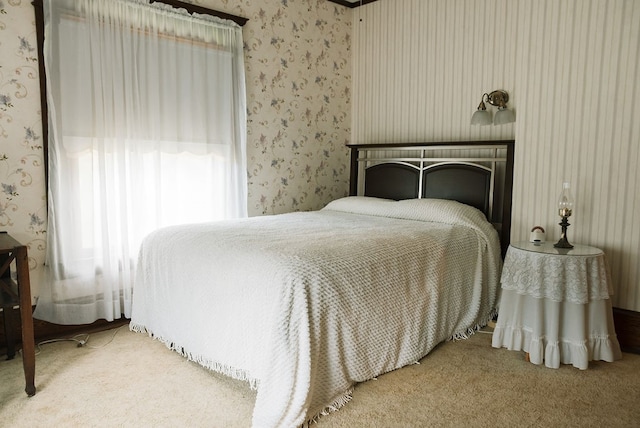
<point>46,331</point>
<point>627,329</point>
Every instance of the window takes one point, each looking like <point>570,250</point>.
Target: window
<point>147,129</point>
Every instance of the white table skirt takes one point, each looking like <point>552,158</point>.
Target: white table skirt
<point>556,332</point>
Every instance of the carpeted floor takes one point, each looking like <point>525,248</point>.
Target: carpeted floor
<point>125,379</point>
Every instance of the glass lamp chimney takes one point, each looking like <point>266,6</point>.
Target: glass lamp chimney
<point>565,201</point>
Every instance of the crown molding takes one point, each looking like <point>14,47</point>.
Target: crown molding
<point>351,3</point>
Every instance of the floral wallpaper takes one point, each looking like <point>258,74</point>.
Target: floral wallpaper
<point>298,76</point>
<point>23,210</point>
<point>298,72</point>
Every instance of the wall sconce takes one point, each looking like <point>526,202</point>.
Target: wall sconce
<point>498,98</point>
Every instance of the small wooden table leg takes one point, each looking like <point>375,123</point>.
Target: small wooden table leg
<point>526,357</point>
<point>9,326</point>
<point>28,343</point>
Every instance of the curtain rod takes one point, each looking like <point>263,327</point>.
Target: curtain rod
<point>191,8</point>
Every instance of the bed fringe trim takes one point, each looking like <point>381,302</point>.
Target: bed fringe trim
<point>347,396</point>
<point>254,383</point>
<point>333,407</point>
<point>465,334</point>
<point>232,372</point>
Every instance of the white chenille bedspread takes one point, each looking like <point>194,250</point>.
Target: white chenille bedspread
<point>305,305</point>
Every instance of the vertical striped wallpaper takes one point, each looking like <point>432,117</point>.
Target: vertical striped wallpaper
<point>572,70</point>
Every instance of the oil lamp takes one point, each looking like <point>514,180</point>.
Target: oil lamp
<point>565,208</point>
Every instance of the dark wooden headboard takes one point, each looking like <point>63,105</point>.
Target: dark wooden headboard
<point>477,173</point>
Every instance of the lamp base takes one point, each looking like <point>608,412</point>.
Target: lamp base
<point>563,242</point>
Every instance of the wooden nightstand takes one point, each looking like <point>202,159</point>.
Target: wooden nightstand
<point>555,305</point>
<point>17,293</point>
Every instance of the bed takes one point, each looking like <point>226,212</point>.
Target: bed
<point>305,305</point>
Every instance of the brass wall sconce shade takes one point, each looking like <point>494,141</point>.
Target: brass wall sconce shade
<point>498,98</point>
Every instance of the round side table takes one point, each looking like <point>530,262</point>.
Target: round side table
<point>555,305</point>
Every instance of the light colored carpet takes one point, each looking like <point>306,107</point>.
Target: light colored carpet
<point>131,380</point>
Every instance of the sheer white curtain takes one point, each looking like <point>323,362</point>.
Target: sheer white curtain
<point>147,128</point>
